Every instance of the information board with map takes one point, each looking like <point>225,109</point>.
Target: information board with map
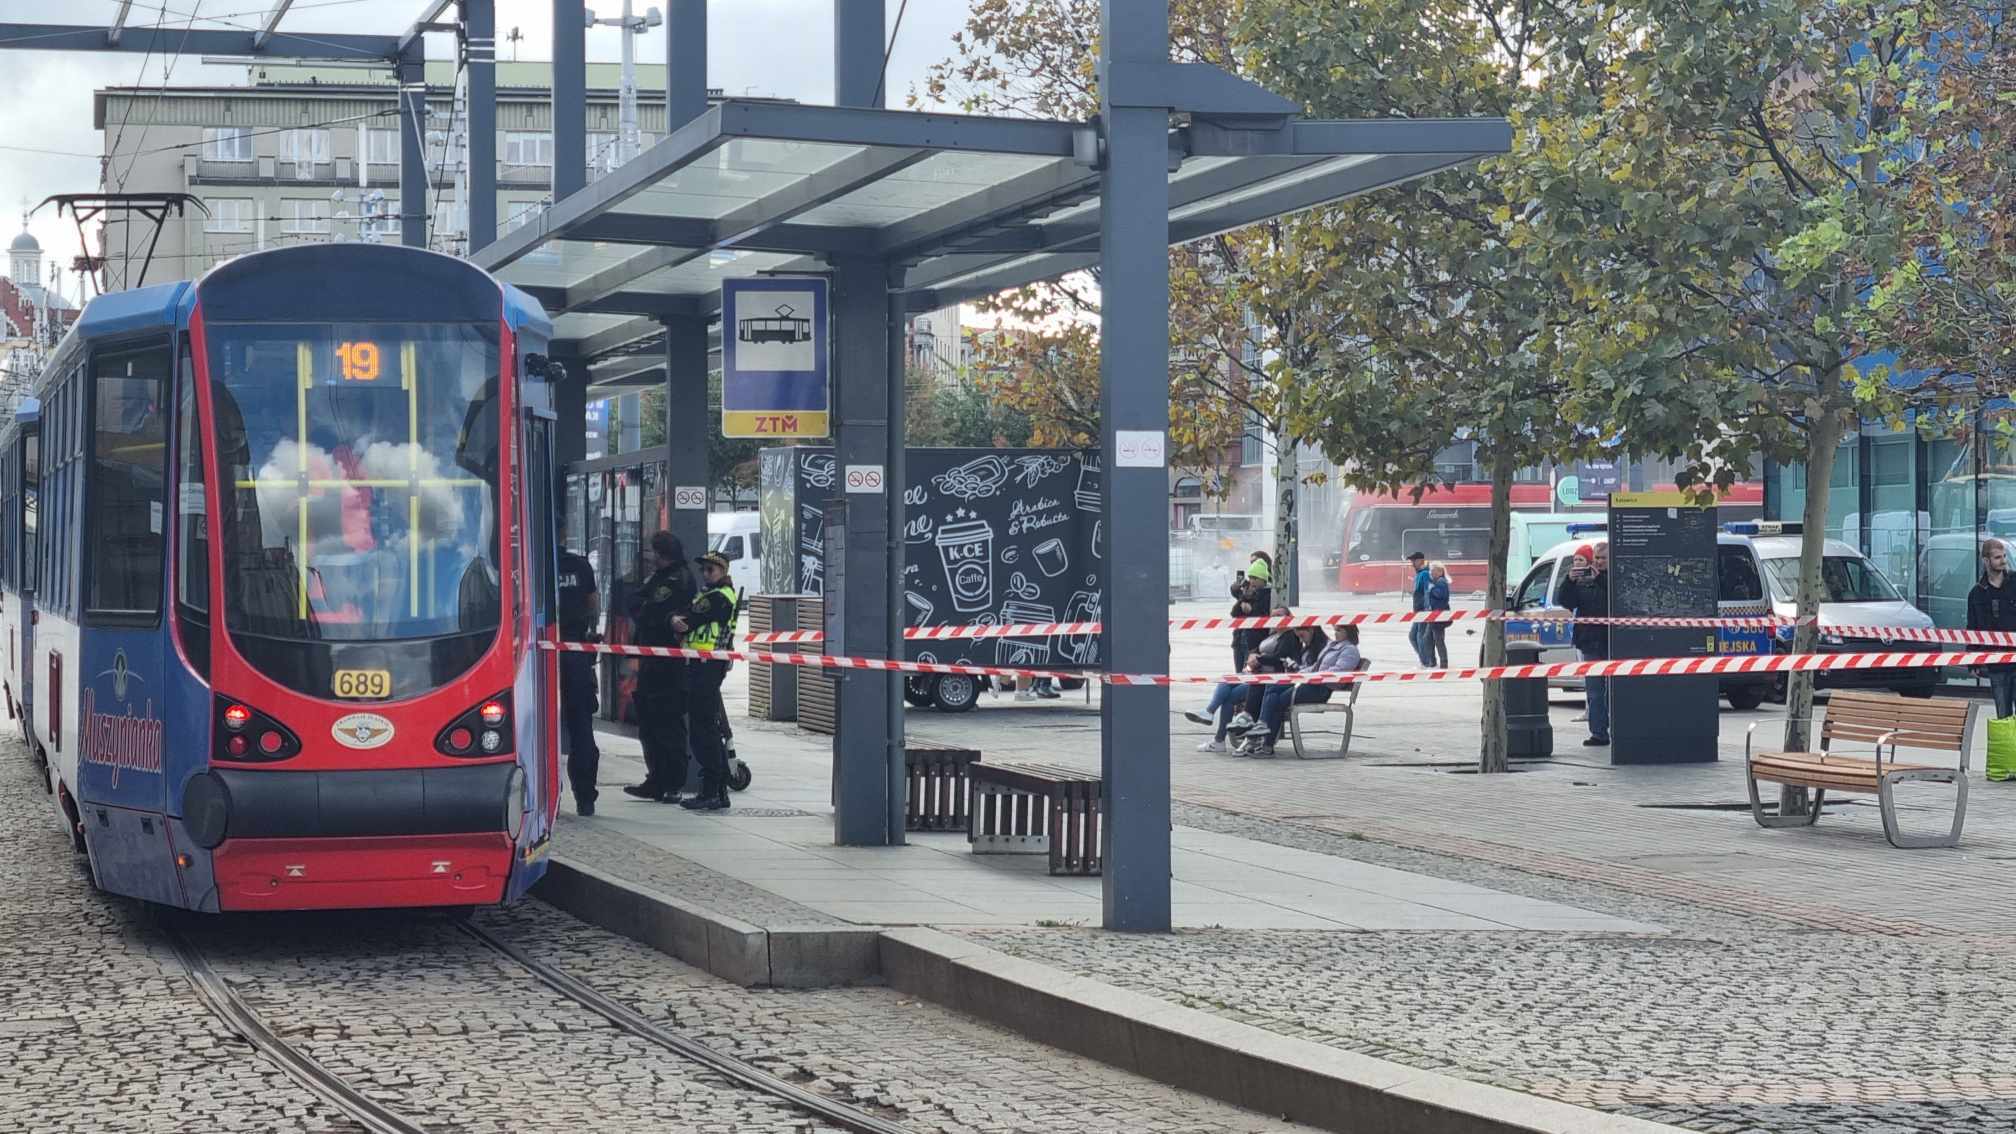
<point>1662,564</point>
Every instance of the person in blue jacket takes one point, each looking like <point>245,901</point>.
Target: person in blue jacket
<point>1417,633</point>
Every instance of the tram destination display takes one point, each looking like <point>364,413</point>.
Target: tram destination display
<point>991,537</point>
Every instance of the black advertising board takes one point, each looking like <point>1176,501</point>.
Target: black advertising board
<point>992,536</point>
<point>1662,564</point>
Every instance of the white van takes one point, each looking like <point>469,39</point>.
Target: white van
<point>738,536</point>
<point>1758,565</point>
<point>1535,532</point>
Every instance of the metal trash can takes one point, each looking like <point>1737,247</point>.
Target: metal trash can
<point>1529,734</point>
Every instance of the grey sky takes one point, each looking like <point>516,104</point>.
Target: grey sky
<point>764,47</point>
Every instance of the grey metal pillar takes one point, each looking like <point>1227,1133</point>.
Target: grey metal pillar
<point>1133,416</point>
<point>570,409</point>
<point>570,97</point>
<point>687,427</point>
<point>479,19</point>
<point>413,216</point>
<point>868,744</point>
<point>685,62</point>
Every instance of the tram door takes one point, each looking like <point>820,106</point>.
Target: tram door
<point>539,684</point>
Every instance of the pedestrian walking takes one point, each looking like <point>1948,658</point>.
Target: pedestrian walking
<point>661,604</point>
<point>580,606</point>
<point>1438,599</point>
<point>708,626</point>
<point>1586,594</point>
<point>1417,633</point>
<point>1991,605</point>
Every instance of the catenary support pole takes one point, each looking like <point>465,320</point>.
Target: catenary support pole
<point>1134,422</point>
<point>687,427</point>
<point>869,739</point>
<point>685,62</point>
<point>414,219</point>
<point>570,97</point>
<point>479,19</point>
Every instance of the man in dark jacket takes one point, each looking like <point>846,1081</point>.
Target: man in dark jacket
<point>1417,632</point>
<point>580,607</point>
<point>661,606</point>
<point>709,626</point>
<point>1991,605</point>
<point>1586,594</point>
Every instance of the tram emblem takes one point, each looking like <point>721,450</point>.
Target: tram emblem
<point>361,730</point>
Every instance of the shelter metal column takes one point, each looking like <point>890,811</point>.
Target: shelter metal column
<point>685,62</point>
<point>413,215</point>
<point>868,744</point>
<point>688,426</point>
<point>570,408</point>
<point>479,19</point>
<point>570,97</point>
<point>1134,409</point>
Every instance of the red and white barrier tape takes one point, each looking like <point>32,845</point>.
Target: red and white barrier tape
<point>1884,634</point>
<point>1624,667</point>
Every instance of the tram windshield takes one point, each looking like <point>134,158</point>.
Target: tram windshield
<point>360,462</point>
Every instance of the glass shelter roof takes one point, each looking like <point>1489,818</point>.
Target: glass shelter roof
<point>960,206</point>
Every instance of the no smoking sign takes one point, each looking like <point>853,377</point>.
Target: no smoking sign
<point>864,478</point>
<point>690,497</point>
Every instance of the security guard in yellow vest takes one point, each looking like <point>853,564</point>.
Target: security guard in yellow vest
<point>710,626</point>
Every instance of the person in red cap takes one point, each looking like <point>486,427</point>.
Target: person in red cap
<point>1586,594</point>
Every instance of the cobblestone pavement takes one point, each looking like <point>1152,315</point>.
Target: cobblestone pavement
<point>927,1068</point>
<point>98,1030</point>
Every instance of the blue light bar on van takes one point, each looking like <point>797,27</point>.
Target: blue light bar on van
<point>1764,527</point>
<point>1585,529</point>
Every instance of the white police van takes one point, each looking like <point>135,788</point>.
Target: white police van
<point>1758,565</point>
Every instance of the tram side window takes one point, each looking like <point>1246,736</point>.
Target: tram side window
<point>129,472</point>
<point>193,575</point>
<point>31,492</point>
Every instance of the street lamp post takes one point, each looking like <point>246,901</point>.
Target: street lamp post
<point>627,138</point>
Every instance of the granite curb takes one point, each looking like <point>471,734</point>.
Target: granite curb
<point>1237,1063</point>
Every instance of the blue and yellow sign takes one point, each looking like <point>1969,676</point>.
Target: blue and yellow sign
<point>774,359</point>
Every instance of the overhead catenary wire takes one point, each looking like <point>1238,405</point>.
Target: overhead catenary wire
<point>167,72</point>
<point>882,78</point>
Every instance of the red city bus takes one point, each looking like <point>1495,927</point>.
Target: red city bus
<point>1452,523</point>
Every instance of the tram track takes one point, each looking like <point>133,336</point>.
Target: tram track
<point>217,995</point>
<point>236,1013</point>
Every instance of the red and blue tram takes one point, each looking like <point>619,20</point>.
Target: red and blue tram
<point>281,546</point>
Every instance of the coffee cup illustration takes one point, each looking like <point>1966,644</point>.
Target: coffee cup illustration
<point>1051,557</point>
<point>966,551</point>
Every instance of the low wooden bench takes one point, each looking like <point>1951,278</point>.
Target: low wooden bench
<point>1034,809</point>
<point>1877,719</point>
<point>939,788</point>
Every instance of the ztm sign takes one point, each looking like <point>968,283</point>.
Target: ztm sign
<point>774,358</point>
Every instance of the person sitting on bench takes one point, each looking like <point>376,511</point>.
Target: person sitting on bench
<point>1340,656</point>
<point>1230,696</point>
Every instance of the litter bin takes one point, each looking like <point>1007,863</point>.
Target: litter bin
<point>1529,734</point>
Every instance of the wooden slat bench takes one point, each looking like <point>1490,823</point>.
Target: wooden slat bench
<point>1877,719</point>
<point>1034,808</point>
<point>937,775</point>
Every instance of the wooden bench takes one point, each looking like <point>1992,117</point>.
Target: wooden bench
<point>1036,808</point>
<point>937,775</point>
<point>1877,719</point>
<point>1343,700</point>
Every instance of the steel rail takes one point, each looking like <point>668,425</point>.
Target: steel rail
<point>741,1071</point>
<point>218,996</point>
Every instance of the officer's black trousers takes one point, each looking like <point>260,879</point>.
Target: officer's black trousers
<point>704,718</point>
<point>661,722</point>
<point>577,719</point>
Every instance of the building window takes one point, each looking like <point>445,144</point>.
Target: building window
<point>305,145</point>
<point>304,215</point>
<point>601,151</point>
<point>518,214</point>
<point>227,143</point>
<point>229,214</point>
<point>381,147</point>
<point>525,147</point>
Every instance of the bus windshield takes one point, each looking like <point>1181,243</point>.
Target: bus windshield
<point>1388,534</point>
<point>360,467</point>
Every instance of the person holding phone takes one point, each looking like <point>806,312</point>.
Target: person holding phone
<point>1586,594</point>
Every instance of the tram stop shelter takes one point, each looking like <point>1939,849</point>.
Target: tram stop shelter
<point>904,212</point>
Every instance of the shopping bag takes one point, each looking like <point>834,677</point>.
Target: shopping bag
<point>2001,748</point>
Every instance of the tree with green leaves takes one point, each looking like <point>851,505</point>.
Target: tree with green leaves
<point>1720,184</point>
<point>1446,329</point>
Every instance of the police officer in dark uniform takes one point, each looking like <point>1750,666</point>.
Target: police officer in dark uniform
<point>709,627</point>
<point>659,614</point>
<point>580,608</point>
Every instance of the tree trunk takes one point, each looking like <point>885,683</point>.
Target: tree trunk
<point>1287,576</point>
<point>1496,742</point>
<point>1823,443</point>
